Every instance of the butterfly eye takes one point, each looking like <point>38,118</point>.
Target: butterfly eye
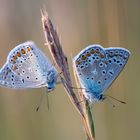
<point>101,97</point>
<point>49,88</point>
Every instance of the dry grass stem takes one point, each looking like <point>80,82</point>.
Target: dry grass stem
<point>60,59</point>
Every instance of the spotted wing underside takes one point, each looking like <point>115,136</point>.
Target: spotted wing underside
<point>97,67</point>
<point>26,67</point>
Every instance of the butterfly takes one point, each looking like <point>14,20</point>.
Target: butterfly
<point>28,67</point>
<point>97,67</point>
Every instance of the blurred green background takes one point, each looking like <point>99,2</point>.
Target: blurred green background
<point>79,23</point>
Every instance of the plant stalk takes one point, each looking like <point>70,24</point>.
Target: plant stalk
<point>53,43</point>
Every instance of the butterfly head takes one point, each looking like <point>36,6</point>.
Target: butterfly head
<point>95,97</point>
<point>101,97</point>
<point>52,76</point>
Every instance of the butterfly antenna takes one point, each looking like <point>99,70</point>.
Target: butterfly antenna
<point>110,102</point>
<point>40,102</point>
<point>116,99</point>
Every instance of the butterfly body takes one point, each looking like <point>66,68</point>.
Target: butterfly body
<point>28,67</point>
<point>97,67</point>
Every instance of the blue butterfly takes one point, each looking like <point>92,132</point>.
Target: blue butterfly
<point>97,67</point>
<point>28,67</point>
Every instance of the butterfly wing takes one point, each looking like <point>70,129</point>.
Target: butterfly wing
<point>116,59</point>
<point>27,62</point>
<point>10,79</point>
<point>95,71</point>
<point>89,65</point>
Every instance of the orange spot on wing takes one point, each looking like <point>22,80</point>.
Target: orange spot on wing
<point>102,55</point>
<point>18,54</point>
<point>15,67</point>
<point>78,62</point>
<point>29,49</point>
<point>84,57</point>
<point>23,51</point>
<point>13,61</point>
<point>14,57</point>
<point>92,51</point>
<point>88,54</point>
<point>97,51</point>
